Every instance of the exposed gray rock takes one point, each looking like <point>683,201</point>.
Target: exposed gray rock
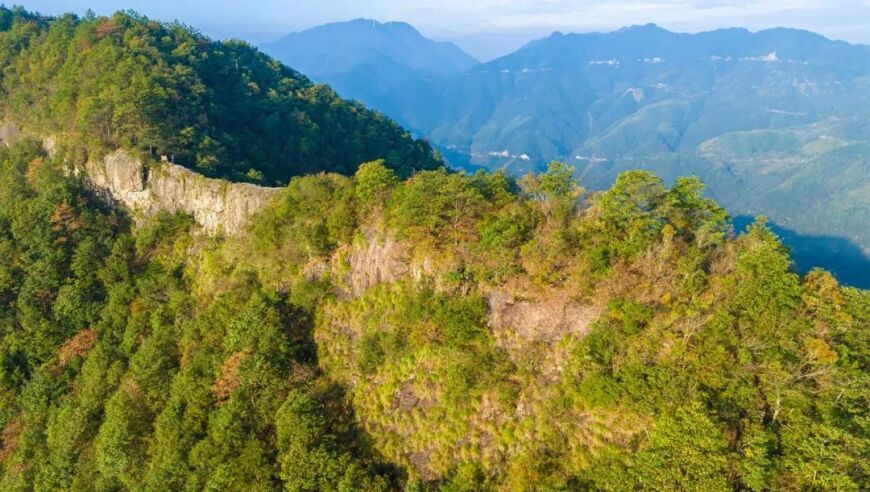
<point>537,326</point>
<point>545,320</point>
<point>380,259</point>
<point>50,146</point>
<point>216,205</point>
<point>9,133</point>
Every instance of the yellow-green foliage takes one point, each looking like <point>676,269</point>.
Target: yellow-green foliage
<point>157,358</point>
<point>423,371</point>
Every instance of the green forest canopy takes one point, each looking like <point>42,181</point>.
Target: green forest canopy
<point>158,359</point>
<point>221,108</point>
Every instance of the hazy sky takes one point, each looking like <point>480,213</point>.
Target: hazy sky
<point>489,26</point>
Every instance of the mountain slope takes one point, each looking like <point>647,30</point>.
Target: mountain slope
<point>443,332</point>
<point>365,59</point>
<point>769,79</point>
<point>745,111</point>
<point>222,108</point>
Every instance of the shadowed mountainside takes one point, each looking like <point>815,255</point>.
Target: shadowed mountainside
<point>838,255</point>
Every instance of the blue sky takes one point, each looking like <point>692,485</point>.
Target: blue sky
<point>490,25</point>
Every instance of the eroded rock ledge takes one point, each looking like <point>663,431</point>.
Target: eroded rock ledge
<point>515,320</point>
<point>217,205</point>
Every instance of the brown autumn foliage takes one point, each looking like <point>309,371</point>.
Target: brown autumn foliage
<point>65,221</point>
<point>228,380</point>
<point>106,28</point>
<point>77,346</point>
<point>9,438</point>
<point>33,170</point>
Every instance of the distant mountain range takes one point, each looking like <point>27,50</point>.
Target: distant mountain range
<point>776,122</point>
<point>366,60</point>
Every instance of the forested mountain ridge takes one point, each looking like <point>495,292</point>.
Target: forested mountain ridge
<point>221,108</point>
<point>775,122</point>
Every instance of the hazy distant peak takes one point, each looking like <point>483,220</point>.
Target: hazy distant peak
<point>798,38</point>
<point>742,31</point>
<point>393,34</point>
<point>649,43</point>
<point>364,59</point>
<point>791,31</point>
<point>648,27</point>
<point>356,27</point>
<point>392,26</point>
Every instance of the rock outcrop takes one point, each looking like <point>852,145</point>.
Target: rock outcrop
<point>537,326</point>
<point>216,205</point>
<point>381,259</point>
<point>9,133</point>
<point>546,320</point>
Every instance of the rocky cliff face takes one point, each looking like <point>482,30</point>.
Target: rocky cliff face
<point>216,205</point>
<point>516,321</point>
<point>9,133</point>
<point>379,259</point>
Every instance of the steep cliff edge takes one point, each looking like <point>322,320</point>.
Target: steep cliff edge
<point>216,205</point>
